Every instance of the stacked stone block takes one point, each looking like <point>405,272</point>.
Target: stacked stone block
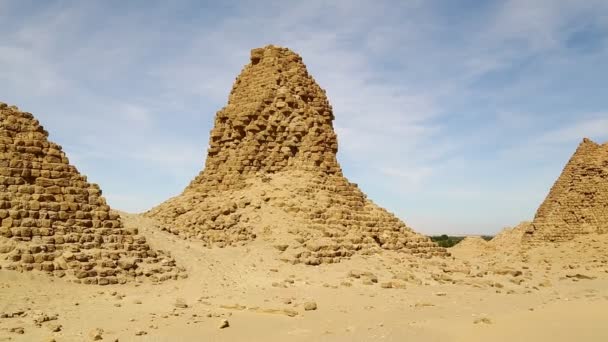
<point>53,220</point>
<point>273,150</point>
<point>277,118</point>
<point>578,201</point>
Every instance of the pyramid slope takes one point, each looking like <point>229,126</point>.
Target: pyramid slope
<point>53,220</point>
<point>578,201</point>
<point>277,118</point>
<point>271,172</point>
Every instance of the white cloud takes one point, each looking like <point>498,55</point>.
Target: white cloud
<point>595,126</point>
<point>28,72</point>
<point>135,114</point>
<point>115,89</point>
<point>407,177</point>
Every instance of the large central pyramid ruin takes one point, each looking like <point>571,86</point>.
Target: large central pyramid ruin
<point>578,201</point>
<point>271,173</point>
<point>53,220</point>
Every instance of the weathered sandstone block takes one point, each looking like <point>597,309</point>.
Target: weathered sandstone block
<point>52,220</point>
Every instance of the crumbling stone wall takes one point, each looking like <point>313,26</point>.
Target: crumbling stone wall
<point>53,220</point>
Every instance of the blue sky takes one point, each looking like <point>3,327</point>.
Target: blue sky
<point>458,116</point>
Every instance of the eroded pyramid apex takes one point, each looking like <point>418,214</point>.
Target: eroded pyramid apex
<point>277,118</point>
<point>271,174</point>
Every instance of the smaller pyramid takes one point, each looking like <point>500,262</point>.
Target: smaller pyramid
<point>53,220</point>
<point>578,201</point>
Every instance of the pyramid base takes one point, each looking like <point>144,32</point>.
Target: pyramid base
<point>312,218</point>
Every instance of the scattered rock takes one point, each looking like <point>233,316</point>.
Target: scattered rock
<point>310,306</point>
<point>290,312</point>
<point>96,334</point>
<point>180,303</point>
<point>40,317</point>
<point>13,314</point>
<point>483,320</point>
<point>55,327</point>
<point>580,276</point>
<point>281,248</point>
<point>17,330</point>
<point>224,324</point>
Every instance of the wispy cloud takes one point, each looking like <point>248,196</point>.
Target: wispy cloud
<point>594,127</point>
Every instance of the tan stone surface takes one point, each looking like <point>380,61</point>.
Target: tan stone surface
<point>271,172</point>
<point>53,220</point>
<point>578,201</point>
<point>510,239</point>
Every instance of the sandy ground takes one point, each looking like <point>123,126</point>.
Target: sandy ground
<point>483,293</point>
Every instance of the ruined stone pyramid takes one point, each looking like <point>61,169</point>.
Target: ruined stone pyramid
<point>578,201</point>
<point>53,220</point>
<point>271,173</point>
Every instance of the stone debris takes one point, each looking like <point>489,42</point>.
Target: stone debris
<point>483,320</point>
<point>580,276</point>
<point>273,151</point>
<point>13,314</point>
<point>39,317</point>
<point>224,324</point>
<point>55,327</point>
<point>96,334</point>
<point>53,220</point>
<point>17,330</point>
<point>577,201</point>
<point>180,304</point>
<point>310,306</point>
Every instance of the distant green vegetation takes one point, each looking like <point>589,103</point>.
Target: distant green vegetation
<point>449,241</point>
<point>446,241</point>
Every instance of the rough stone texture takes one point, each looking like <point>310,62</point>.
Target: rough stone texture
<point>578,201</point>
<point>510,239</point>
<point>53,220</point>
<point>271,167</point>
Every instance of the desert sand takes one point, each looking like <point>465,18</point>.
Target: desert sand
<point>271,242</point>
<point>547,293</point>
